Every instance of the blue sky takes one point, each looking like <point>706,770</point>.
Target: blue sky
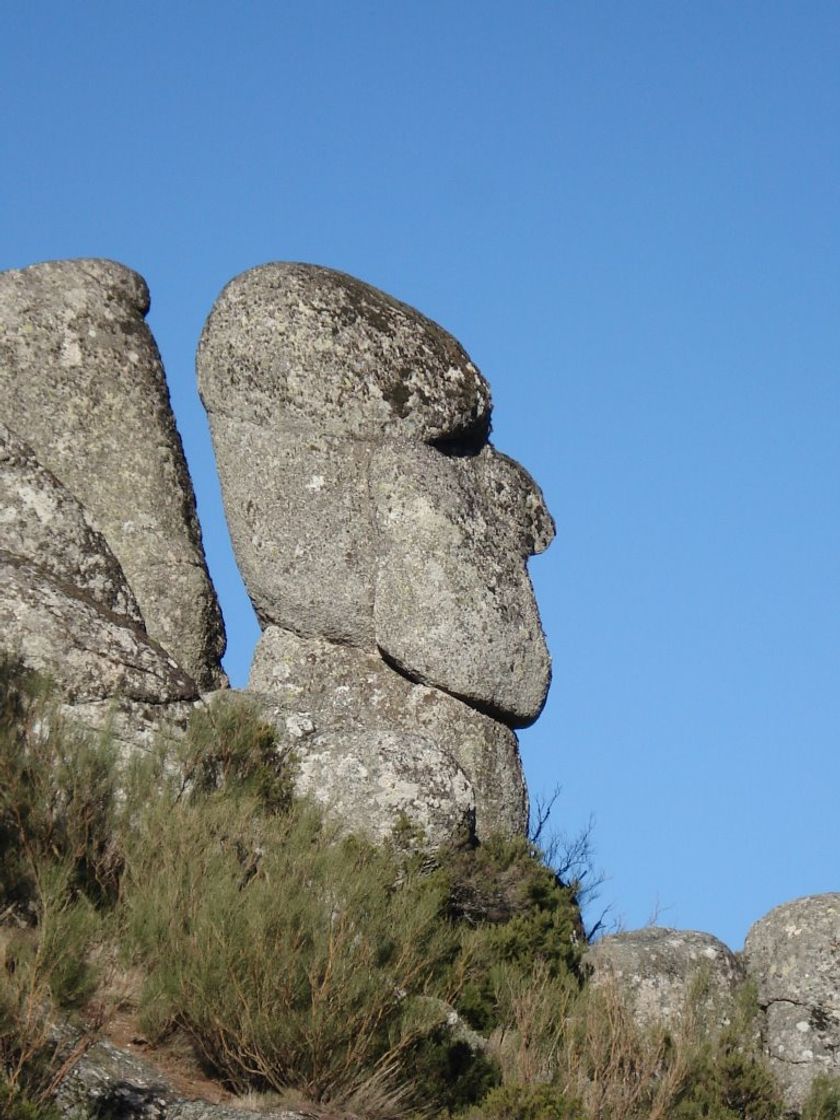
<point>629,213</point>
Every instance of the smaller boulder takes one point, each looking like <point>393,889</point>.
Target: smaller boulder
<point>793,955</point>
<point>662,972</point>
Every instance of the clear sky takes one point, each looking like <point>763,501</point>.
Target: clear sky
<point>629,213</point>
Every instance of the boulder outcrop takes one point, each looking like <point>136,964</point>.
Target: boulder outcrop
<point>82,384</point>
<point>793,956</point>
<point>372,519</point>
<point>383,540</point>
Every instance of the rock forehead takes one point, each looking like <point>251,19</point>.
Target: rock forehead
<point>82,383</point>
<point>309,345</point>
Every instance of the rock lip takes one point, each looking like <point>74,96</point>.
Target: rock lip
<point>320,687</point>
<point>319,349</point>
<point>660,971</point>
<point>82,384</point>
<point>793,956</point>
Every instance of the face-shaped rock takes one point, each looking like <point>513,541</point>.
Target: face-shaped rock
<point>365,504</point>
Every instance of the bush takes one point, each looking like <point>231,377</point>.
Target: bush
<point>515,913</point>
<point>58,796</point>
<point>823,1101</point>
<point>295,958</point>
<point>229,746</point>
<point>285,952</point>
<point>526,1102</point>
<point>57,819</point>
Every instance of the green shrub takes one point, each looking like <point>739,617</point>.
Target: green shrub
<point>449,1072</point>
<point>285,952</point>
<point>58,796</point>
<point>15,1105</point>
<point>295,958</point>
<point>229,746</point>
<point>823,1101</point>
<point>526,1102</point>
<point>514,913</point>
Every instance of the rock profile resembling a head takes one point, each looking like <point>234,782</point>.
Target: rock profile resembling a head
<point>365,502</point>
<point>366,505</point>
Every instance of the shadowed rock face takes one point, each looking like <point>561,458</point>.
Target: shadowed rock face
<point>40,520</point>
<point>371,517</point>
<point>793,956</point>
<point>82,384</point>
<point>66,609</point>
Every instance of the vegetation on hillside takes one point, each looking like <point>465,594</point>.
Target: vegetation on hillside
<point>193,889</point>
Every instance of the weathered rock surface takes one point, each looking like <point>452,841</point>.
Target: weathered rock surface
<point>660,971</point>
<point>41,521</point>
<point>793,956</point>
<point>92,653</point>
<point>320,687</point>
<point>82,384</point>
<point>373,782</point>
<point>323,351</point>
<point>454,606</point>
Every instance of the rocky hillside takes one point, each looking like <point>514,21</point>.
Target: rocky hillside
<point>384,542</point>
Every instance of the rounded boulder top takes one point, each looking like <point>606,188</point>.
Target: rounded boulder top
<point>299,344</point>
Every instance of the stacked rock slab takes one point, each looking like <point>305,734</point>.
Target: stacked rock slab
<point>66,608</point>
<point>81,383</point>
<point>382,539</point>
<point>793,956</point>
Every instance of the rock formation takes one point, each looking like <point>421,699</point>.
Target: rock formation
<point>793,955</point>
<point>384,543</point>
<point>382,539</point>
<point>82,384</point>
